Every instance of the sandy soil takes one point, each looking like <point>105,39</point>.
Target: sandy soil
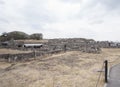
<point>70,69</point>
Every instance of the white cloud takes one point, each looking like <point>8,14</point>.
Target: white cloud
<point>97,19</point>
<point>61,10</point>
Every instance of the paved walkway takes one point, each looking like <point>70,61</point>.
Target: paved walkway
<point>114,77</point>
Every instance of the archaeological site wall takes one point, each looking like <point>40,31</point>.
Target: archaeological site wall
<point>75,44</point>
<point>52,46</point>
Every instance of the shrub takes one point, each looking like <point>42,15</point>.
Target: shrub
<point>37,36</point>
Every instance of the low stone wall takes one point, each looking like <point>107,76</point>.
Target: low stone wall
<point>16,57</point>
<point>25,56</point>
<point>53,46</point>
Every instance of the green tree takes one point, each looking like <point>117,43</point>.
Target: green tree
<point>16,35</point>
<point>37,36</point>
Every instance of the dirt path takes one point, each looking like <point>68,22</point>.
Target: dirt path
<point>114,78</point>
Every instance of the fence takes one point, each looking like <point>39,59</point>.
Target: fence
<point>105,67</point>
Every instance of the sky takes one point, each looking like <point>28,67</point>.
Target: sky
<point>94,19</point>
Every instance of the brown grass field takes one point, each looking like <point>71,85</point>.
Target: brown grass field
<point>70,69</point>
<point>9,51</point>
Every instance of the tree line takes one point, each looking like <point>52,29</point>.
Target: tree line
<point>18,35</point>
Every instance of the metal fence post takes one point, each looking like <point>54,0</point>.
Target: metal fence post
<point>106,71</point>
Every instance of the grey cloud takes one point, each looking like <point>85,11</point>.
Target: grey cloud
<point>94,16</point>
<point>32,15</point>
<point>35,12</point>
<point>97,22</point>
<point>111,4</point>
<point>3,20</point>
<point>36,16</point>
<point>2,2</point>
<point>90,21</point>
<point>108,4</point>
<point>72,1</point>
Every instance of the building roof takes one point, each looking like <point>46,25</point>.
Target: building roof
<point>33,44</point>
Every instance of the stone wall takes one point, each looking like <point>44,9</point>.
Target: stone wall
<point>16,57</point>
<point>71,44</point>
<point>53,46</point>
<point>108,44</point>
<point>25,56</point>
<point>77,44</point>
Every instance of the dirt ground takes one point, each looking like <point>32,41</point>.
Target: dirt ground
<point>70,69</point>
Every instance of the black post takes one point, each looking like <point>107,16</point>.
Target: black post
<point>106,71</point>
<point>65,47</point>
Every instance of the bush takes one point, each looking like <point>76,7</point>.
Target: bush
<point>37,36</point>
<point>17,35</point>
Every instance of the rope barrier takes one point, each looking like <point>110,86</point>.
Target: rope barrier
<point>99,76</point>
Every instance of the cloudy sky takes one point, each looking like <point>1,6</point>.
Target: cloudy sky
<point>97,19</point>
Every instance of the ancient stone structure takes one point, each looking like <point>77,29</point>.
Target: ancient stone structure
<point>71,44</point>
<point>52,46</point>
<point>74,44</point>
<point>108,44</point>
<point>24,56</point>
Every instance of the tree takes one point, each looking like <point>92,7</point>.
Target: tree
<point>17,35</point>
<point>37,36</point>
<point>3,37</point>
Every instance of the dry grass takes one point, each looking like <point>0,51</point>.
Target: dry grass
<point>10,51</point>
<point>70,69</point>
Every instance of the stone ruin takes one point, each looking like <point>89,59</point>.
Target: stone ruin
<point>108,44</point>
<point>71,44</point>
<point>52,46</point>
<point>74,44</point>
<point>49,47</point>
